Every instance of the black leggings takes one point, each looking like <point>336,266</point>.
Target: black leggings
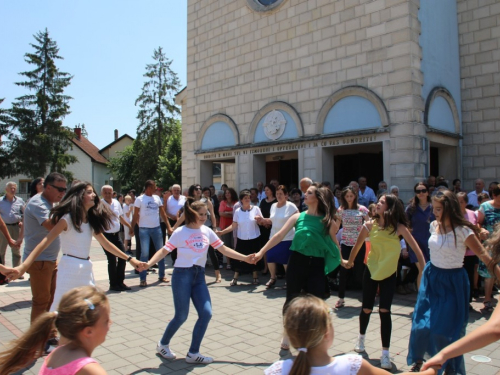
<point>356,272</point>
<point>412,274</point>
<point>304,274</point>
<point>213,257</point>
<point>470,262</point>
<point>387,289</point>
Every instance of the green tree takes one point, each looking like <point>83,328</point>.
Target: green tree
<point>39,141</point>
<point>123,169</point>
<point>157,110</point>
<point>169,165</point>
<point>6,168</point>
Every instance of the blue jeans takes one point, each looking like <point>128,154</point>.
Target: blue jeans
<point>155,234</point>
<point>189,283</point>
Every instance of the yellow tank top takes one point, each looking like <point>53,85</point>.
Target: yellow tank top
<point>384,253</point>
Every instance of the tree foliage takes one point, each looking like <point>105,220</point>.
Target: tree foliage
<point>156,151</point>
<point>38,141</point>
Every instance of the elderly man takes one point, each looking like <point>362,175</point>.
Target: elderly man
<point>355,186</point>
<point>148,208</point>
<point>382,185</point>
<point>479,184</point>
<point>37,225</point>
<point>304,184</point>
<point>116,266</point>
<point>366,195</point>
<point>11,211</point>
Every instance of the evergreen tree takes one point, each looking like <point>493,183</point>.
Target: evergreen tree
<point>169,165</point>
<point>157,110</point>
<point>39,141</point>
<point>6,168</point>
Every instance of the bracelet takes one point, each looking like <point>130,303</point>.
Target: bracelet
<point>128,259</point>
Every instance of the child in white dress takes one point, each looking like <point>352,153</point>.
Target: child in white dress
<point>309,326</point>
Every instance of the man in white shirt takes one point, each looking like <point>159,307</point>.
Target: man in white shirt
<point>479,183</point>
<point>260,190</point>
<point>366,195</point>
<point>116,266</point>
<point>148,208</point>
<point>174,203</point>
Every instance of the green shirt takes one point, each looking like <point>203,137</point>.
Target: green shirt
<point>311,240</point>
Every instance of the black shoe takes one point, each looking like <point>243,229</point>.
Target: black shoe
<point>125,287</point>
<point>416,367</point>
<point>115,288</point>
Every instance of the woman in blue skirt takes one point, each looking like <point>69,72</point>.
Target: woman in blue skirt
<point>442,308</point>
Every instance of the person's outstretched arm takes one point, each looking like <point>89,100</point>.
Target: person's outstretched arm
<point>488,333</point>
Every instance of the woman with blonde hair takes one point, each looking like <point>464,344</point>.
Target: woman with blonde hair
<point>309,326</point>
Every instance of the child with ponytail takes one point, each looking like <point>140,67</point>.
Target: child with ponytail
<point>309,327</point>
<point>188,278</point>
<point>82,318</point>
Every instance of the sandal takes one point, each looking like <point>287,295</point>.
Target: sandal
<point>143,284</point>
<point>255,281</point>
<point>271,282</point>
<point>488,306</point>
<point>233,282</point>
<point>163,280</point>
<point>218,278</point>
<point>340,303</point>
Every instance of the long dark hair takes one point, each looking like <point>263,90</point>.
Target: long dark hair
<point>99,216</point>
<point>325,205</point>
<point>35,182</point>
<point>414,202</point>
<point>192,189</point>
<point>394,214</point>
<point>344,203</point>
<point>234,195</point>
<point>452,212</point>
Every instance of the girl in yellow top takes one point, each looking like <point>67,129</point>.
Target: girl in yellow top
<point>384,230</point>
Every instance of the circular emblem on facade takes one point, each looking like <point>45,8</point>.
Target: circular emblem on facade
<point>264,5</point>
<point>274,125</point>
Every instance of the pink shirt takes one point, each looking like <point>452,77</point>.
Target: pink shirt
<point>471,217</point>
<point>68,369</point>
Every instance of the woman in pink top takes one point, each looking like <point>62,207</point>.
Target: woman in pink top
<point>83,320</point>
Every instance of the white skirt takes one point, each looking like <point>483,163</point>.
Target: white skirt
<point>71,273</point>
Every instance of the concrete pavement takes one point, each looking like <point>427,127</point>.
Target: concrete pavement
<point>243,336</point>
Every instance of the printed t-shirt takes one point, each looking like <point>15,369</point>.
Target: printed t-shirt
<point>352,222</point>
<point>192,245</point>
<point>149,215</point>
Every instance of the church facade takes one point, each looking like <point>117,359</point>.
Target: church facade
<point>392,90</point>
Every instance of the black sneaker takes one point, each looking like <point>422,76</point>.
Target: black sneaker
<point>115,288</point>
<point>125,287</point>
<point>416,367</point>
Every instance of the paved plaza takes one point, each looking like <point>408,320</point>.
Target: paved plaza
<point>243,336</point>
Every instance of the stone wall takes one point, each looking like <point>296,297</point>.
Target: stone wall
<point>479,29</point>
<point>240,60</point>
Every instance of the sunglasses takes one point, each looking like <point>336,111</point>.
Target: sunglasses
<point>59,189</point>
<point>421,191</point>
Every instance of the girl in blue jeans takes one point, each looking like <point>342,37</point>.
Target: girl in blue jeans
<point>188,279</point>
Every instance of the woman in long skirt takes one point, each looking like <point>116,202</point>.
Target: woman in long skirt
<point>442,310</point>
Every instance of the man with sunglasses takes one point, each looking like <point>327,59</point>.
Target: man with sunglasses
<point>37,224</point>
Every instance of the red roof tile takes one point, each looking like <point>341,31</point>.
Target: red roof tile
<point>90,149</point>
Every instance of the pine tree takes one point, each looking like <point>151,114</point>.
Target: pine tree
<point>39,141</point>
<point>157,110</point>
<point>169,165</point>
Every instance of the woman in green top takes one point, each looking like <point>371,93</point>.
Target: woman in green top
<point>384,230</point>
<point>315,250</point>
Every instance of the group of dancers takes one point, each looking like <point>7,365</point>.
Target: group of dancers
<point>82,315</point>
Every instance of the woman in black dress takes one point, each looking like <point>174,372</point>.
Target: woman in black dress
<point>265,208</point>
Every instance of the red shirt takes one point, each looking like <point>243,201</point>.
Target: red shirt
<point>225,221</point>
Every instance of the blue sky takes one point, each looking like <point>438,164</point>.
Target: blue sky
<point>106,45</point>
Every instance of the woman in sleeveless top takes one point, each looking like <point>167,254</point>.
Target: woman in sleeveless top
<point>384,230</point>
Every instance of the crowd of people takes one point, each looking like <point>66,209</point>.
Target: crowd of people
<point>443,244</point>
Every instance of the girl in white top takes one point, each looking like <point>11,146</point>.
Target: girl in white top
<point>78,217</point>
<point>128,213</point>
<point>248,232</point>
<point>188,279</point>
<point>308,324</point>
<point>280,213</point>
<point>444,289</point>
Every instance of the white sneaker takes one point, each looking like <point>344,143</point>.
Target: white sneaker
<point>359,347</point>
<point>165,351</point>
<point>198,358</point>
<point>385,362</point>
